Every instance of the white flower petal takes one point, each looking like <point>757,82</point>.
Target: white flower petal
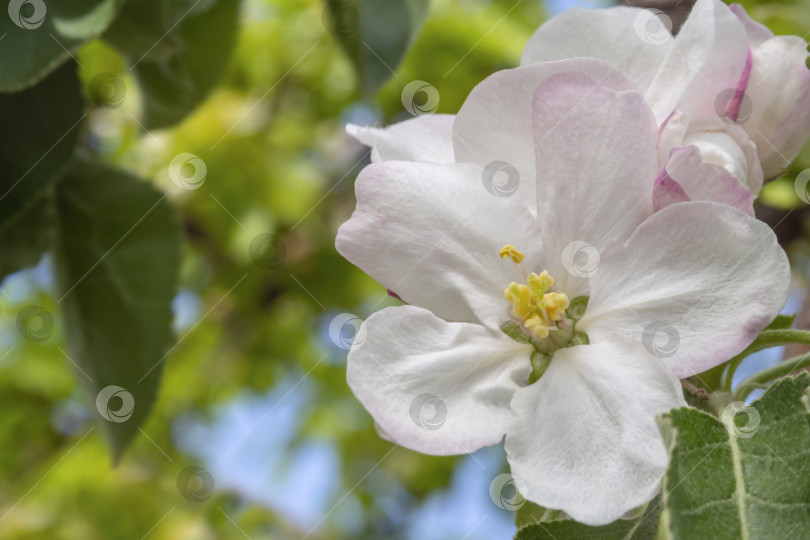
<point>707,58</point>
<point>719,142</point>
<point>779,90</point>
<point>584,439</point>
<point>699,180</point>
<point>425,138</point>
<point>596,162</point>
<point>432,233</point>
<point>696,283</point>
<point>757,33</point>
<point>495,122</point>
<point>436,387</point>
<point>629,39</point>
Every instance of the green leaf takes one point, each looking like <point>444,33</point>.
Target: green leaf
<point>40,35</point>
<point>642,528</point>
<point>24,239</point>
<point>531,513</point>
<point>177,83</point>
<point>142,31</point>
<point>376,34</point>
<point>40,130</point>
<point>117,261</point>
<point>744,475</point>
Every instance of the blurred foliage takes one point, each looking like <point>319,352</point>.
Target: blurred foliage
<point>258,253</point>
<point>261,95</point>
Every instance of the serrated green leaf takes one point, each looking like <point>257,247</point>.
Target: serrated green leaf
<point>376,34</point>
<point>176,84</point>
<point>25,238</point>
<point>117,262</point>
<point>39,35</point>
<point>644,527</point>
<point>531,513</point>
<point>40,130</point>
<point>745,476</point>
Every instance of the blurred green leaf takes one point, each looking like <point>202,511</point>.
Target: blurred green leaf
<point>377,34</point>
<point>40,131</point>
<point>642,528</point>
<point>781,322</point>
<point>117,259</point>
<point>744,475</point>
<point>176,84</point>
<point>142,31</point>
<point>39,35</point>
<point>26,237</point>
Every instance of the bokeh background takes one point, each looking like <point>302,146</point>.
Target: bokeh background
<point>254,392</point>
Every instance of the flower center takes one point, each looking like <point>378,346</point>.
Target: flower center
<point>534,305</point>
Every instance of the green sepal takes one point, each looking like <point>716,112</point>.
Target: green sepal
<point>540,363</point>
<point>576,309</point>
<point>514,331</point>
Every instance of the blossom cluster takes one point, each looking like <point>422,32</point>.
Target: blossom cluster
<point>577,210</point>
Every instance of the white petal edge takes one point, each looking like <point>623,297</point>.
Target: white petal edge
<point>432,233</point>
<point>436,387</point>
<point>695,284</point>
<point>425,138</point>
<point>584,439</point>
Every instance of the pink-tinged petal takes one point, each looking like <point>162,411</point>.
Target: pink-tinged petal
<point>707,59</point>
<point>695,284</point>
<point>596,162</point>
<point>779,91</point>
<point>699,180</point>
<point>757,33</point>
<point>495,123</point>
<point>432,386</point>
<point>736,101</point>
<point>425,138</point>
<point>584,439</point>
<point>432,233</point>
<point>629,39</point>
<point>667,191</point>
<point>719,142</point>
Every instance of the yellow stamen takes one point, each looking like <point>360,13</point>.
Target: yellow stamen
<point>512,252</point>
<point>534,304</point>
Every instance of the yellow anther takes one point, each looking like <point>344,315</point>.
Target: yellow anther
<point>512,252</point>
<point>535,304</point>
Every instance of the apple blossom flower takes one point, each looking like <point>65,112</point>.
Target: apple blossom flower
<point>529,312</point>
<point>725,86</point>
